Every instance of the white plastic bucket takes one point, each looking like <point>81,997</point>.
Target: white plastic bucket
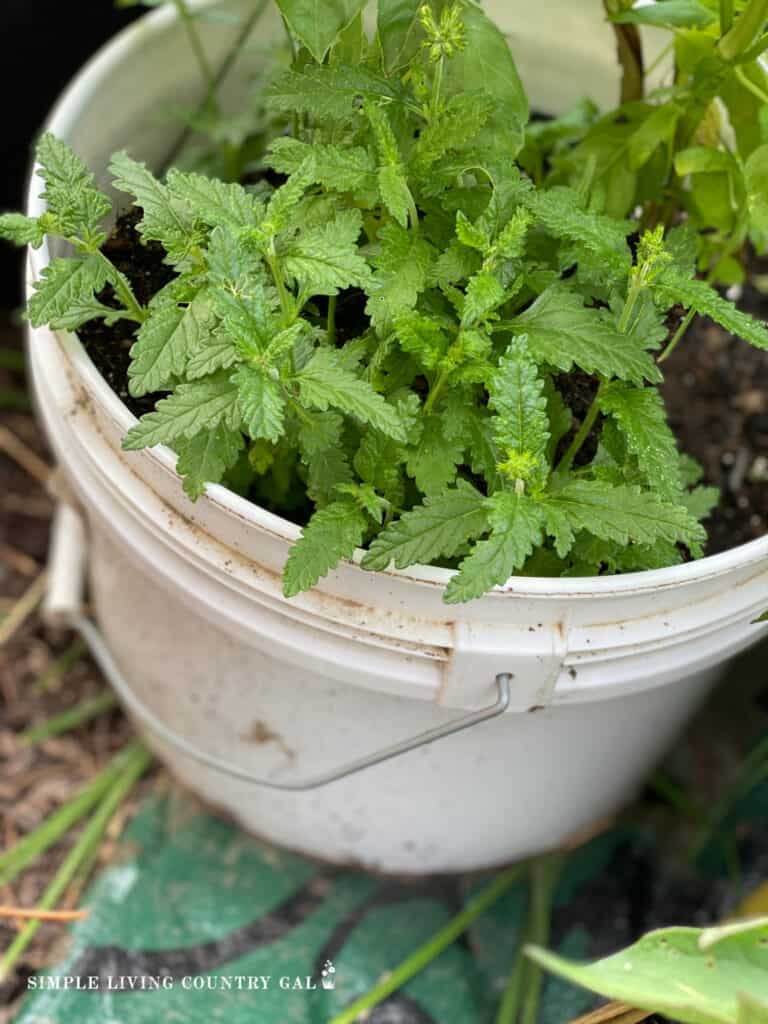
<point>604,671</point>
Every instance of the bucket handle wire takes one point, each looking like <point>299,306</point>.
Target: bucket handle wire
<point>64,604</point>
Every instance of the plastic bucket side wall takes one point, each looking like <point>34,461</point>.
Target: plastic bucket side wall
<point>462,803</point>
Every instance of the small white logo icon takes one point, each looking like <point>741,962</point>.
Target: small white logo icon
<point>327,975</point>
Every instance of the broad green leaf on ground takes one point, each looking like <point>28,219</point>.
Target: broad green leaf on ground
<point>65,291</point>
<point>562,331</point>
<point>436,529</point>
<point>673,286</point>
<point>323,384</point>
<point>199,405</point>
<point>642,418</point>
<point>696,976</point>
<point>206,457</point>
<point>317,23</point>
<point>331,534</point>
<point>516,529</point>
<point>261,402</point>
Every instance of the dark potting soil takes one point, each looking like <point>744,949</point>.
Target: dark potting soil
<point>715,387</point>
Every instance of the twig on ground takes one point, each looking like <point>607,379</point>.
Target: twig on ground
<point>23,608</point>
<point>23,456</point>
<point>22,914</point>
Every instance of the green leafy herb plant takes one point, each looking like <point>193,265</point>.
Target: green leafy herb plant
<point>381,327</point>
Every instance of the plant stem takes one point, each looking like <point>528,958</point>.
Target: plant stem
<point>133,308</point>
<point>330,327</point>
<point>137,763</point>
<point>13,861</point>
<point>436,88</point>
<point>583,433</point>
<point>70,719</point>
<point>749,85</point>
<point>630,52</point>
<point>678,336</point>
<point>436,391</point>
<point>186,18</point>
<point>229,60</point>
<point>726,16</point>
<point>433,948</point>
<point>545,873</point>
<point>513,993</point>
<point>286,303</point>
<point>745,31</point>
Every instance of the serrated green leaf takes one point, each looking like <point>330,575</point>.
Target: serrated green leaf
<point>454,129</point>
<point>641,415</point>
<point>322,452</point>
<point>341,168</point>
<point>166,219</point>
<point>64,294</point>
<point>483,295</point>
<point>159,353</point>
<point>325,260</point>
<point>622,514</point>
<point>394,192</point>
<point>21,230</point>
<point>70,191</point>
<point>193,407</point>
<point>562,332</point>
<point>422,337</point>
<point>475,236</point>
<point>232,265</point>
<point>678,973</point>
<point>559,211</point>
<point>328,93</point>
<point>324,384</point>
<point>433,461</point>
<point>402,264</point>
<point>216,202</point>
<point>516,529</point>
<point>673,286</point>
<point>317,23</point>
<point>206,457</point>
<point>436,529</point>
<point>211,352</point>
<point>521,423</point>
<point>701,501</point>
<point>331,534</point>
<point>261,401</point>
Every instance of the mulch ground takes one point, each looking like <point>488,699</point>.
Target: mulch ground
<point>36,780</point>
